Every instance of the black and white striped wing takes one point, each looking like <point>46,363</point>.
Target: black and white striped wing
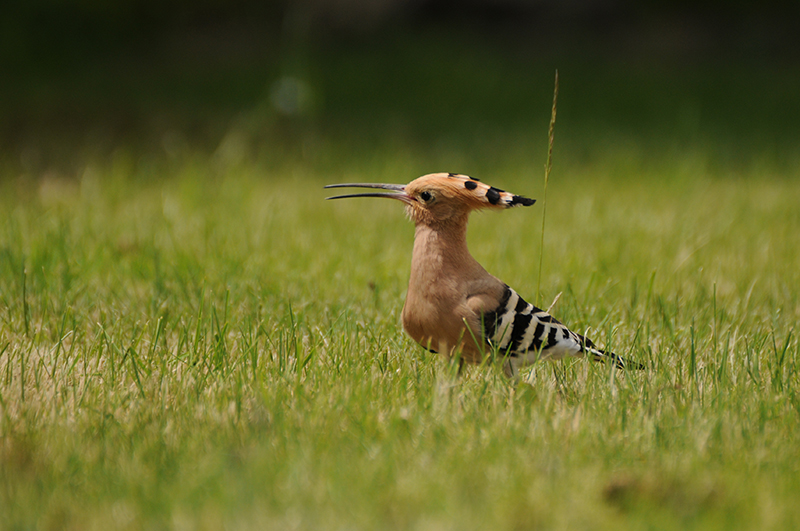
<point>521,330</point>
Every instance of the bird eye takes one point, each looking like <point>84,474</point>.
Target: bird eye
<point>425,196</point>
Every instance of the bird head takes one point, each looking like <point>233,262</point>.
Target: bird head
<point>440,197</point>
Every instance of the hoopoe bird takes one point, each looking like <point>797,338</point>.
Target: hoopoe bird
<point>454,306</point>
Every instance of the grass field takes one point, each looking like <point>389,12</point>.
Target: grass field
<point>199,341</point>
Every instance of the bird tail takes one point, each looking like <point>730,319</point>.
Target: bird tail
<point>601,355</point>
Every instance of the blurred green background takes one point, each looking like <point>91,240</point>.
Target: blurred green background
<point>447,83</point>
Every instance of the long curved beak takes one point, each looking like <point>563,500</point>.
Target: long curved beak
<point>398,191</point>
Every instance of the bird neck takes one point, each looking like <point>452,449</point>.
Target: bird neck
<point>440,250</point>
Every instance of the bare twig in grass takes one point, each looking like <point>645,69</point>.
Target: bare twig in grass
<point>552,304</point>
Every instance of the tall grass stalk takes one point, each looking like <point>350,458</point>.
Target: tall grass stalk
<point>547,168</point>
